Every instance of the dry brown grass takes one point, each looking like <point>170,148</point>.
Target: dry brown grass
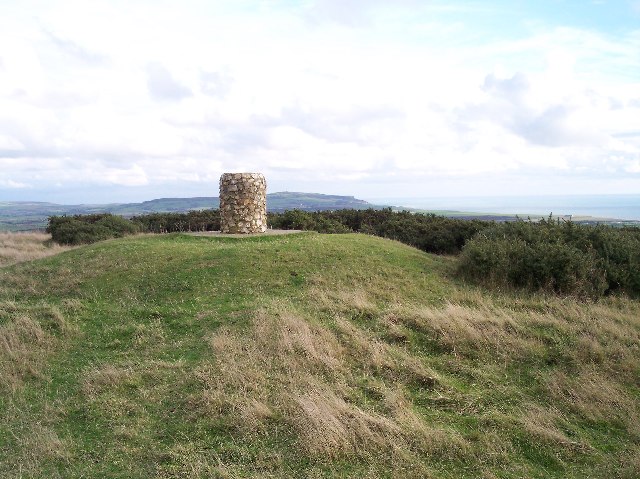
<point>590,351</point>
<point>481,329</point>
<point>100,382</point>
<point>27,337</point>
<point>20,247</point>
<point>470,325</point>
<point>596,397</point>
<point>544,424</point>
<point>290,370</point>
<point>35,444</point>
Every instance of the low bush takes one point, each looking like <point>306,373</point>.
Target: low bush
<point>566,258</point>
<point>430,233</point>
<point>82,229</point>
<point>201,220</point>
<point>321,222</point>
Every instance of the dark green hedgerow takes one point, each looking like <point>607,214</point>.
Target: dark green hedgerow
<point>564,258</point>
<point>200,220</point>
<point>82,229</point>
<point>430,233</point>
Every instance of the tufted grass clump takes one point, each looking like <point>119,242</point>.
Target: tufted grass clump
<point>21,247</point>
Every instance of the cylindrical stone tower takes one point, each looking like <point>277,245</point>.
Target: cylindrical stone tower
<point>243,203</point>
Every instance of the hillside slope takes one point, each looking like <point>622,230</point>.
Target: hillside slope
<point>304,356</point>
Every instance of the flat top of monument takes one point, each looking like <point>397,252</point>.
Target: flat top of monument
<point>244,235</point>
<point>243,173</point>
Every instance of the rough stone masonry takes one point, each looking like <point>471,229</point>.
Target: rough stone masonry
<point>243,203</point>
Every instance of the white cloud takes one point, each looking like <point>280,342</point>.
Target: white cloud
<point>10,144</point>
<point>134,176</point>
<point>163,86</point>
<point>13,184</point>
<point>633,166</point>
<point>90,95</point>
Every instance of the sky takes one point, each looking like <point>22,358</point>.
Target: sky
<point>119,101</point>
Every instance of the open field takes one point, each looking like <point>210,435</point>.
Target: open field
<point>305,355</point>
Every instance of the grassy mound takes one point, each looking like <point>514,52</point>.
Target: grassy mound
<point>305,356</point>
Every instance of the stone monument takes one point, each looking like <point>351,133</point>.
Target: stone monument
<point>243,203</point>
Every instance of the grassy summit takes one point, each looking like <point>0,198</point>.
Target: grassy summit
<point>305,356</point>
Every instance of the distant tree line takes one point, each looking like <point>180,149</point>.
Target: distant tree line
<point>549,255</point>
<point>83,229</point>
<point>201,220</point>
<point>428,232</point>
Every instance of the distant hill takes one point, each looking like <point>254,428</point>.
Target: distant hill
<point>276,202</point>
<point>26,216</point>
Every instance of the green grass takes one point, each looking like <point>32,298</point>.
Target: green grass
<point>305,356</point>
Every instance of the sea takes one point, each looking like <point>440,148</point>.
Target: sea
<point>620,207</point>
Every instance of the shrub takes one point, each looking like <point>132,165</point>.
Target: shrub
<point>203,220</point>
<point>322,222</point>
<point>565,258</point>
<point>430,233</point>
<point>117,225</point>
<point>82,229</point>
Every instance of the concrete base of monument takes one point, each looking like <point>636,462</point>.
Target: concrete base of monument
<point>269,232</point>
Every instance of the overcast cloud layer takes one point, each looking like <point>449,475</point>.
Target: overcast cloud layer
<point>132,100</point>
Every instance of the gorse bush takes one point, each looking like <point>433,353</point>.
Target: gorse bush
<point>201,220</point>
<point>81,229</point>
<point>566,258</point>
<point>430,233</point>
<point>513,262</point>
<point>321,222</point>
